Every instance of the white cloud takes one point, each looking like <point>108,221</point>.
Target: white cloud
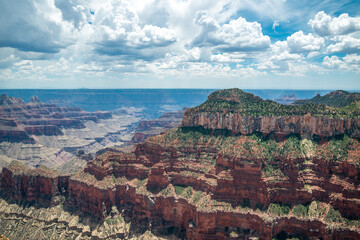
<point>325,25</point>
<point>350,62</point>
<point>237,36</point>
<point>285,55</point>
<point>228,58</point>
<point>120,33</point>
<point>333,62</point>
<point>92,67</point>
<point>79,40</point>
<point>344,44</point>
<point>352,59</point>
<point>299,42</point>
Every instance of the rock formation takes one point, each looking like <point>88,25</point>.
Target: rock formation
<point>244,113</point>
<point>205,181</point>
<point>148,128</point>
<point>19,121</point>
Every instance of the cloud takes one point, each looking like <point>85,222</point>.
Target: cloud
<point>73,12</point>
<point>121,34</point>
<point>350,62</point>
<point>123,40</point>
<point>237,36</point>
<point>352,59</point>
<point>333,62</point>
<point>275,24</point>
<point>325,25</point>
<point>32,26</point>
<point>8,62</point>
<point>299,42</point>
<point>280,60</point>
<point>344,44</point>
<point>228,58</point>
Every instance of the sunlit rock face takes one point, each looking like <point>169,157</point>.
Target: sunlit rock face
<point>244,113</point>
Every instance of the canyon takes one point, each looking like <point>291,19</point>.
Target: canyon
<point>225,173</point>
<point>38,133</point>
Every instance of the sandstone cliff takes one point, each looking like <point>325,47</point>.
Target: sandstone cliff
<point>244,113</point>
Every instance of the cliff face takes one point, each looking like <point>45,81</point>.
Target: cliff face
<point>40,184</point>
<point>306,125</point>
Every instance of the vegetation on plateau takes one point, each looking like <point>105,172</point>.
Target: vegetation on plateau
<point>338,98</point>
<point>237,101</point>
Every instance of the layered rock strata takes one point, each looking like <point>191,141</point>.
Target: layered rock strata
<point>220,198</point>
<point>20,120</point>
<point>306,125</point>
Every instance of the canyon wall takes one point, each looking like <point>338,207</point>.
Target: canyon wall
<point>306,125</point>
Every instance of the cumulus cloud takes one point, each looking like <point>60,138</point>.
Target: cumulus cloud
<point>344,44</point>
<point>32,26</point>
<point>74,12</point>
<point>350,62</point>
<point>236,36</point>
<point>333,62</point>
<point>123,39</point>
<point>352,59</point>
<point>325,25</point>
<point>299,42</point>
<point>343,32</point>
<point>121,34</point>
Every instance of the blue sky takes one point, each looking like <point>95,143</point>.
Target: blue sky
<point>274,44</point>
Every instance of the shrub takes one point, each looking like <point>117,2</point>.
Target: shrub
<point>278,210</point>
<point>178,189</point>
<point>197,196</point>
<point>333,215</point>
<point>300,211</point>
<point>188,193</point>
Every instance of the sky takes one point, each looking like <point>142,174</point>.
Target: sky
<point>251,44</point>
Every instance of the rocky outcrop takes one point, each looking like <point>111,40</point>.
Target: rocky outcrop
<point>40,184</point>
<point>306,125</point>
